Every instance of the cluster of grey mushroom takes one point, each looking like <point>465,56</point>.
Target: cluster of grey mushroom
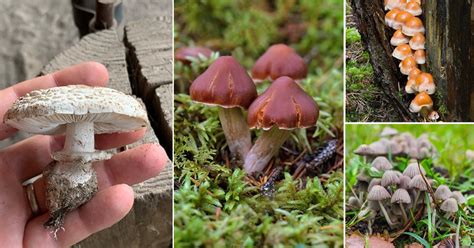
<point>383,192</point>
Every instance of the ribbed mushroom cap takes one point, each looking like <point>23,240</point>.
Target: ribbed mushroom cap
<point>412,26</point>
<point>404,182</point>
<point>378,193</point>
<point>391,16</point>
<point>224,83</point>
<point>401,196</point>
<point>398,38</point>
<point>459,197</point>
<point>450,205</point>
<point>402,51</point>
<point>388,132</point>
<point>285,105</point>
<point>417,42</point>
<point>417,182</point>
<point>407,65</point>
<point>184,54</point>
<point>382,164</point>
<point>400,19</point>
<point>425,83</point>
<point>420,57</point>
<point>421,100</point>
<point>442,193</point>
<point>279,60</point>
<point>413,8</point>
<point>373,182</point>
<point>412,170</point>
<point>364,150</point>
<point>47,111</point>
<point>390,178</point>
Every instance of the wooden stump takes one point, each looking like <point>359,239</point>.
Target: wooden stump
<point>448,39</point>
<point>149,223</point>
<point>376,38</point>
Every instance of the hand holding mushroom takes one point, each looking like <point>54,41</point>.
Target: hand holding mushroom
<point>23,225</point>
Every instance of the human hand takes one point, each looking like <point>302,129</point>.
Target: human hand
<point>27,159</point>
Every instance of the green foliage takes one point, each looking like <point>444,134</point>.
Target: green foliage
<point>352,36</point>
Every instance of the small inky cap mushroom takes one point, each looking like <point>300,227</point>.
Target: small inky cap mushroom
<point>388,132</point>
<point>422,100</point>
<point>459,197</point>
<point>381,164</point>
<point>401,18</point>
<point>354,202</point>
<point>378,193</point>
<point>373,182</point>
<point>413,8</point>
<point>224,83</point>
<point>390,178</point>
<point>404,182</point>
<point>442,193</point>
<point>417,182</point>
<point>420,57</point>
<point>279,60</point>
<point>417,42</point>
<point>450,205</point>
<point>363,177</point>
<point>184,54</point>
<point>407,65</point>
<point>47,111</point>
<point>401,196</point>
<point>425,83</point>
<point>402,51</point>
<point>364,150</point>
<point>391,16</point>
<point>398,38</point>
<point>412,26</point>
<point>284,105</point>
<point>411,88</point>
<point>412,170</point>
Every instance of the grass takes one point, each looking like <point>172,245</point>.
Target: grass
<point>452,141</point>
<point>216,205</point>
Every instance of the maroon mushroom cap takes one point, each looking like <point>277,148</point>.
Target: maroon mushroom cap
<point>285,105</point>
<point>224,83</point>
<point>182,54</point>
<point>279,60</point>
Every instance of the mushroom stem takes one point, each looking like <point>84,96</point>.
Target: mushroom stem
<point>389,221</point>
<point>236,131</point>
<point>266,146</point>
<point>404,214</point>
<point>79,137</point>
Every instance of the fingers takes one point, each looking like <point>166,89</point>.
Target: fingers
<point>105,209</point>
<point>89,73</point>
<point>129,167</point>
<point>29,157</point>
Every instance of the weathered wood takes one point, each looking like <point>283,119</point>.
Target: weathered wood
<point>149,223</point>
<point>448,39</point>
<point>162,105</point>
<point>376,38</point>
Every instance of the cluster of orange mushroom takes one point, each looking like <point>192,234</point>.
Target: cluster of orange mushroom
<point>409,43</point>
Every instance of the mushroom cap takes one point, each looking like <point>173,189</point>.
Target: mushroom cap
<point>433,116</point>
<point>392,4</point>
<point>442,193</point>
<point>363,177</point>
<point>417,42</point>
<point>280,60</point>
<point>402,51</point>
<point>422,100</point>
<point>378,193</point>
<point>47,111</point>
<point>388,131</point>
<point>407,65</point>
<point>354,202</point>
<point>364,150</point>
<point>412,26</point>
<point>391,16</point>
<point>425,83</point>
<point>420,57</point>
<point>414,73</point>
<point>390,178</point>
<point>284,105</point>
<point>404,182</point>
<point>458,196</point>
<point>450,205</point>
<point>381,163</point>
<point>413,8</point>
<point>411,88</point>
<point>373,182</point>
<point>225,83</point>
<point>401,196</point>
<point>417,182</point>
<point>398,38</point>
<point>184,53</point>
<point>401,18</point>
<point>412,170</point>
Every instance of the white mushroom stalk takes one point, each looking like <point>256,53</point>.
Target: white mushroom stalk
<point>236,131</point>
<point>79,137</point>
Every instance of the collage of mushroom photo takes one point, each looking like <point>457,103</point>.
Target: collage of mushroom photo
<point>237,123</point>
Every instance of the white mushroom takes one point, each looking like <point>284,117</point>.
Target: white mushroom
<point>79,112</point>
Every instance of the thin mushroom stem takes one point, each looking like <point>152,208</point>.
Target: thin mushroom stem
<point>236,131</point>
<point>389,221</point>
<point>79,137</point>
<point>404,214</point>
<point>266,146</point>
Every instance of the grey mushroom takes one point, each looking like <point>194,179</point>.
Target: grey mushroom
<point>459,197</point>
<point>79,112</point>
<point>412,170</point>
<point>404,182</point>
<point>373,182</point>
<point>401,197</point>
<point>381,163</point>
<point>449,206</point>
<point>388,132</point>
<point>378,194</point>
<point>442,193</point>
<point>390,178</point>
<point>419,185</point>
